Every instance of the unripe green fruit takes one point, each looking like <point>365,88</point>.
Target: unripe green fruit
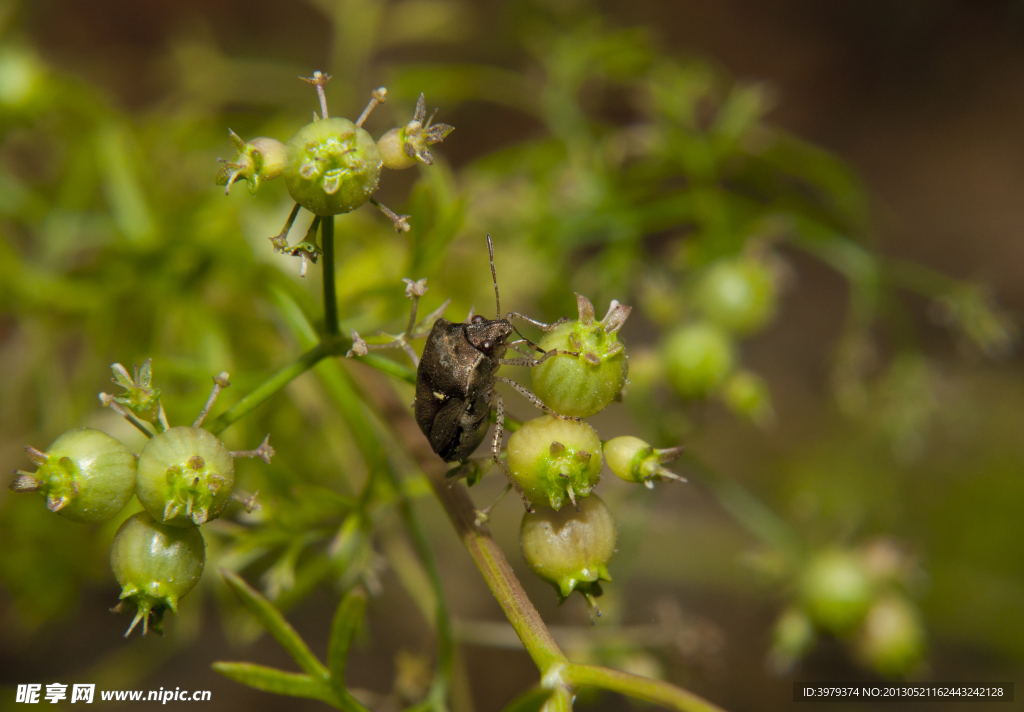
<point>554,460</point>
<point>404,147</point>
<point>892,640</point>
<point>570,549</point>
<point>836,591</point>
<point>156,565</point>
<point>747,395</point>
<point>392,152</point>
<point>185,476</point>
<point>698,358</point>
<point>633,460</point>
<point>86,475</point>
<point>585,384</point>
<point>792,636</point>
<point>331,166</point>
<point>737,294</point>
<point>258,160</point>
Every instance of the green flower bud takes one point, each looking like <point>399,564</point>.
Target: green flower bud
<point>570,549</point>
<point>581,385</point>
<point>402,148</point>
<point>892,639</point>
<point>331,166</point>
<point>633,460</point>
<point>185,476</point>
<point>554,460</point>
<point>156,565</point>
<point>737,294</point>
<point>86,475</point>
<point>258,160</point>
<point>836,590</point>
<point>698,358</point>
<point>747,396</point>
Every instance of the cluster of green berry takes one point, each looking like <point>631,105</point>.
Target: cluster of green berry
<point>183,477</point>
<point>859,596</point>
<point>332,165</point>
<point>734,297</point>
<point>557,459</point>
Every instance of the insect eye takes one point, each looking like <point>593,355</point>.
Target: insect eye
<point>479,318</point>
<point>486,346</point>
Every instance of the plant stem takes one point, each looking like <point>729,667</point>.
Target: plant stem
<point>658,692</point>
<point>330,295</point>
<point>272,385</point>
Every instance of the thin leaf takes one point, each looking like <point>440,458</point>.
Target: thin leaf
<point>279,682</point>
<point>346,623</point>
<point>271,619</point>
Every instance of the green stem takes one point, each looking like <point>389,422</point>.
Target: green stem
<point>330,295</point>
<point>272,385</point>
<point>657,692</point>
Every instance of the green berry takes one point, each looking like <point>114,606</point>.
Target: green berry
<point>86,475</point>
<point>892,639</point>
<point>747,395</point>
<point>698,358</point>
<point>156,565</point>
<point>633,460</point>
<point>554,460</point>
<point>258,160</point>
<point>792,637</point>
<point>331,166</point>
<point>586,380</point>
<point>836,590</point>
<point>404,147</point>
<point>185,476</point>
<point>570,549</point>
<point>737,294</point>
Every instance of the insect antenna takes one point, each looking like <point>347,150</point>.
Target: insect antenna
<point>494,275</point>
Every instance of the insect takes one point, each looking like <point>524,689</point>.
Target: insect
<point>456,376</point>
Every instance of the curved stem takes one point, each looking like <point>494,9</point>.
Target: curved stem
<point>657,692</point>
<point>330,294</point>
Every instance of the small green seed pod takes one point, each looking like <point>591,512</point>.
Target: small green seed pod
<point>737,294</point>
<point>258,160</point>
<point>404,147</point>
<point>584,384</point>
<point>554,460</point>
<point>185,476</point>
<point>86,475</point>
<point>792,638</point>
<point>836,590</point>
<point>156,565</point>
<point>892,639</point>
<point>698,358</point>
<point>331,166</point>
<point>570,549</point>
<point>747,396</point>
<point>633,460</point>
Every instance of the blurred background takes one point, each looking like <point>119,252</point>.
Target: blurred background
<point>815,209</point>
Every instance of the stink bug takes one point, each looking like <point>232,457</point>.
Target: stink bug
<point>455,382</point>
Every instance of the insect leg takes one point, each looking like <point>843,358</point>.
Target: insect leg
<point>528,395</point>
<point>533,362</point>
<point>499,430</point>
<point>538,324</point>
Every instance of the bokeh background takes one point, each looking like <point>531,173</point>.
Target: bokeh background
<point>869,153</point>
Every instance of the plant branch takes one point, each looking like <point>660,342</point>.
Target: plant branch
<point>657,692</point>
<point>330,295</point>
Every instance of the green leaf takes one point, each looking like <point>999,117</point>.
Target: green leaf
<point>271,619</point>
<point>346,623</point>
<point>277,681</point>
<point>530,701</point>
